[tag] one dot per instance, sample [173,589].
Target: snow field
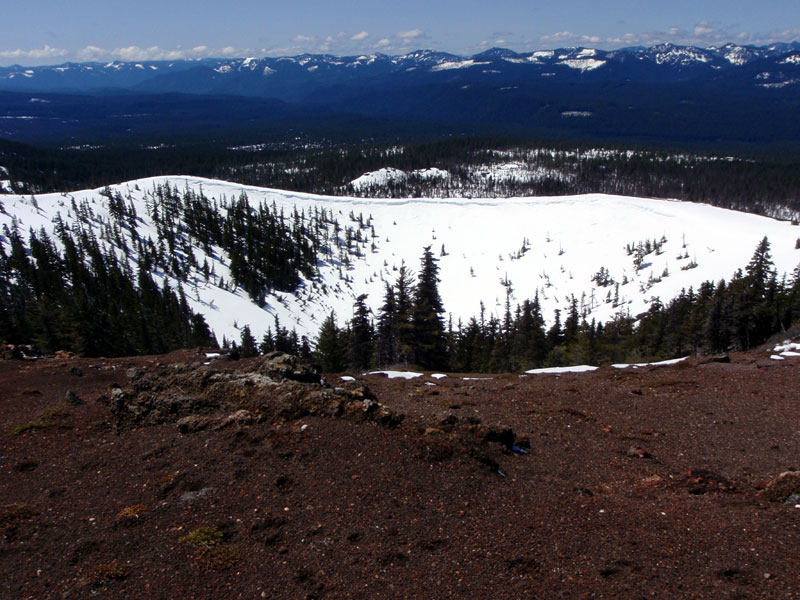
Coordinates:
[567,240]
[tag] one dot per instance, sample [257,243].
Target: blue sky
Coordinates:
[50,32]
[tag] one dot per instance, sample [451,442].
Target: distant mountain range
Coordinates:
[297,78]
[732,93]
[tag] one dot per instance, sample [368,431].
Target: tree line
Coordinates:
[409,329]
[766,184]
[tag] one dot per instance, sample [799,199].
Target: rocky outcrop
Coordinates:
[199,397]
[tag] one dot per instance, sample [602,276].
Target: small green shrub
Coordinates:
[31,426]
[203,537]
[210,553]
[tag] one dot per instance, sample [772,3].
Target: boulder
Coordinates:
[783,487]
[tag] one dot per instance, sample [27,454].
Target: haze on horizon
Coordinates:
[50,32]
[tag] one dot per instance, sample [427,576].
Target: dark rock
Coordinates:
[448,423]
[501,435]
[76,371]
[73,399]
[26,466]
[230,354]
[638,452]
[134,373]
[285,366]
[194,496]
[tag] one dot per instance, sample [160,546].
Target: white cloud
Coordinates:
[384,43]
[570,38]
[138,54]
[784,35]
[410,35]
[362,35]
[229,51]
[702,34]
[135,53]
[302,39]
[703,29]
[34,54]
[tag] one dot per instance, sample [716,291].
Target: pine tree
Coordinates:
[247,343]
[386,343]
[267,344]
[403,327]
[361,334]
[428,327]
[201,333]
[331,346]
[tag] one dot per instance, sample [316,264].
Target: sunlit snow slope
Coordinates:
[566,240]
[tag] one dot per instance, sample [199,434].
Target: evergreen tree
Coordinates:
[267,344]
[247,343]
[361,334]
[331,346]
[201,333]
[403,327]
[386,343]
[428,327]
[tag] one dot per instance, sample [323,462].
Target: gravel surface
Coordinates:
[633,483]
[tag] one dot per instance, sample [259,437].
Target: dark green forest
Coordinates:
[97,296]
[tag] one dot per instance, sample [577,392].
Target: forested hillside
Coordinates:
[766,184]
[159,264]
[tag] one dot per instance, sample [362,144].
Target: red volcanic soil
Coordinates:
[643,483]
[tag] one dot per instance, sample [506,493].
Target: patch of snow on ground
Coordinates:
[776,357]
[431,173]
[559,370]
[584,64]
[662,363]
[786,345]
[348,378]
[438,375]
[460,64]
[397,374]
